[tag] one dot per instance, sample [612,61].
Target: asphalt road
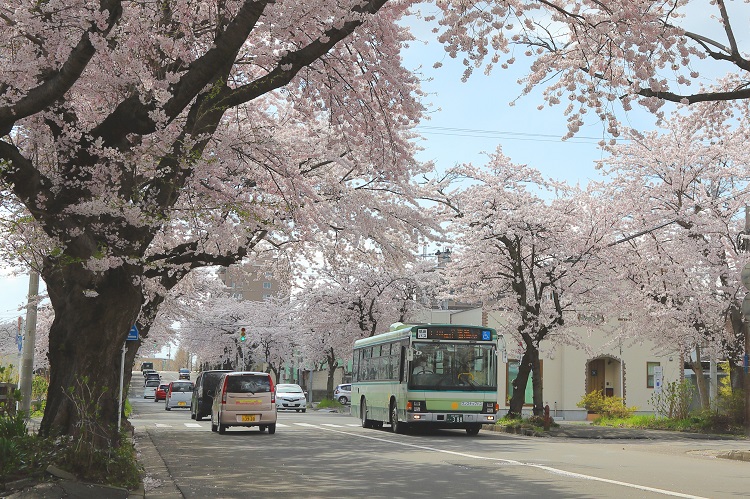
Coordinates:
[323,454]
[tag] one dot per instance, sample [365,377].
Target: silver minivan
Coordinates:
[244,399]
[179,394]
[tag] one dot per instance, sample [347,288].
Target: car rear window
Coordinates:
[182,387]
[248,383]
[154,382]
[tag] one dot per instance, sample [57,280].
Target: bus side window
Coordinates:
[401,366]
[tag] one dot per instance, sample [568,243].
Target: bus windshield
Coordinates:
[453,366]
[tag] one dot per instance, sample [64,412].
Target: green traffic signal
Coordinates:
[242,334]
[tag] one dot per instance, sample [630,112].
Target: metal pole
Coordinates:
[27,359]
[122,376]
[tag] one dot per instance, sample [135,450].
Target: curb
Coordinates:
[156,474]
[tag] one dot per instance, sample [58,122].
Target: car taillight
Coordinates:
[273,391]
[224,392]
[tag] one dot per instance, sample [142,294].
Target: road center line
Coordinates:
[549,469]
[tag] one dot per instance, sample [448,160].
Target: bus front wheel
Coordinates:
[366,423]
[396,425]
[473,430]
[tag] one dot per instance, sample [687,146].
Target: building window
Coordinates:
[266,297]
[650,373]
[266,285]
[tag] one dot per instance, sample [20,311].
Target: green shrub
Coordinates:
[607,407]
[13,425]
[674,400]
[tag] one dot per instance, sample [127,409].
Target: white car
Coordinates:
[289,396]
[179,394]
[149,391]
[343,393]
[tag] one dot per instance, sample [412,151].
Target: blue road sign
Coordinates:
[19,342]
[133,334]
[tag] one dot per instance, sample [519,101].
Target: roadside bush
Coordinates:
[674,400]
[329,404]
[607,407]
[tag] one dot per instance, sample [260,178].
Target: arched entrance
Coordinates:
[606,374]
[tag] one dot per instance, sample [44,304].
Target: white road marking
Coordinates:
[160,425]
[307,425]
[331,425]
[282,425]
[354,424]
[518,463]
[193,425]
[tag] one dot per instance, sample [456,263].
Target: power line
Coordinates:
[539,137]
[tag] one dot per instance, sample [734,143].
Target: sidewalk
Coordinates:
[586,430]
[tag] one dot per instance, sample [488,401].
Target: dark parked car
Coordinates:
[203,393]
[151,376]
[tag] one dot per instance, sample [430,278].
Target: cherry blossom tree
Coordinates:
[347,299]
[690,181]
[592,56]
[528,250]
[142,140]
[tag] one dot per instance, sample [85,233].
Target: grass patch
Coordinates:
[535,423]
[708,423]
[329,404]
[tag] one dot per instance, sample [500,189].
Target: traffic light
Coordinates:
[242,334]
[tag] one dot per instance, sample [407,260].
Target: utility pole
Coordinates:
[27,358]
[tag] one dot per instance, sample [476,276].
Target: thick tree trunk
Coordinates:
[332,365]
[93,314]
[700,380]
[518,398]
[536,383]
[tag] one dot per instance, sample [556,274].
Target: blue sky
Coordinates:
[472,118]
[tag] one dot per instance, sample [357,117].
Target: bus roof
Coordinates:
[406,330]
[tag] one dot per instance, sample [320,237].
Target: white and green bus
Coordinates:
[438,375]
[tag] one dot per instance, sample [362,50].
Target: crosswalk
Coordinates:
[278,425]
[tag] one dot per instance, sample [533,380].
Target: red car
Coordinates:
[161,392]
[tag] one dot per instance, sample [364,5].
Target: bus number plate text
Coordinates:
[455,418]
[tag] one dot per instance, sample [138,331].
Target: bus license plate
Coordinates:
[455,418]
[248,418]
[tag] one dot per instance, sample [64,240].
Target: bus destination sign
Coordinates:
[454,333]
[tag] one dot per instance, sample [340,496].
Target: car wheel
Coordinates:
[261,428]
[296,410]
[272,428]
[304,410]
[222,428]
[343,400]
